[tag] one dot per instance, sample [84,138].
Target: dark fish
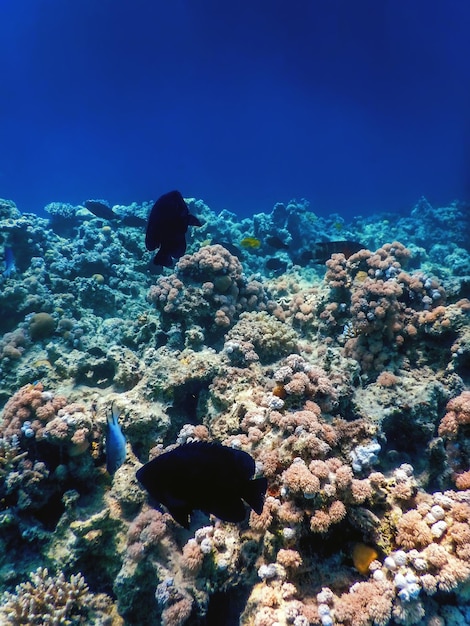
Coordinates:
[276,242]
[133,220]
[204,476]
[276,265]
[115,442]
[166,228]
[230,247]
[100,209]
[323,250]
[10,267]
[304,258]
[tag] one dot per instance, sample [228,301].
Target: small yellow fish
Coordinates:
[250,243]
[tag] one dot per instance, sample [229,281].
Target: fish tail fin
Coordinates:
[113,415]
[163,258]
[254,492]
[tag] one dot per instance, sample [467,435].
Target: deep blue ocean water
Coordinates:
[358,106]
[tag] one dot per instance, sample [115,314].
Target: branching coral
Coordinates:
[366,603]
[434,554]
[51,600]
[309,459]
[458,414]
[10,456]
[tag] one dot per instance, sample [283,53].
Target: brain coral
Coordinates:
[41,325]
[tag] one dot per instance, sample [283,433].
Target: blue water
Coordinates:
[357,105]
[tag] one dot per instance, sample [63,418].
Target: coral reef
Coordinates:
[55,600]
[206,294]
[348,383]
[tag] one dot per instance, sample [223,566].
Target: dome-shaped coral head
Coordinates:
[167,226]
[206,476]
[41,326]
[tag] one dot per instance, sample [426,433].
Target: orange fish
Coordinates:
[363,556]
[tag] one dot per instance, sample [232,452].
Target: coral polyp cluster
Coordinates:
[347,383]
[208,291]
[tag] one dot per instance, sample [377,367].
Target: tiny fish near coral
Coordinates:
[206,476]
[115,442]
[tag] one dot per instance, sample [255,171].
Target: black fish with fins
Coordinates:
[322,250]
[100,209]
[205,476]
[167,226]
[103,211]
[133,220]
[276,242]
[276,265]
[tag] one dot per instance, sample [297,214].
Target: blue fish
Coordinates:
[115,442]
[10,267]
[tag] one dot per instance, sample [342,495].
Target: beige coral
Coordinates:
[299,479]
[412,531]
[48,599]
[366,604]
[458,414]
